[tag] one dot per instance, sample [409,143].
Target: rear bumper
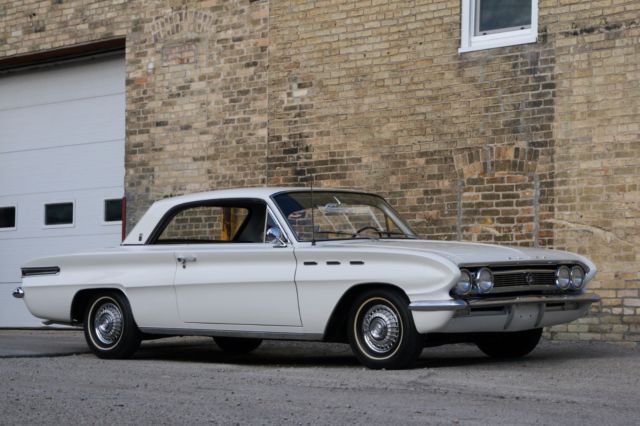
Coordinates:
[460,305]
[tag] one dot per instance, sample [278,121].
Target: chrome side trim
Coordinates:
[18,293]
[40,270]
[231,333]
[438,305]
[457,304]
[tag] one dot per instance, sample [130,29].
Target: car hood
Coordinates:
[462,253]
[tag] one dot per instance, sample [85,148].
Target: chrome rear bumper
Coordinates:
[458,304]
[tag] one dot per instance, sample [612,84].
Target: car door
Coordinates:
[226,273]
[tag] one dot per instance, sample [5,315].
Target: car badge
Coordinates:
[529,278]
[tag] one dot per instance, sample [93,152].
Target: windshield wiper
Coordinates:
[362,236]
[351,234]
[390,233]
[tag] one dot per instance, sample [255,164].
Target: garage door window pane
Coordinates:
[58,214]
[7,217]
[113,210]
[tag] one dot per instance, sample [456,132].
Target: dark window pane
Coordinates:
[113,210]
[499,14]
[58,214]
[7,217]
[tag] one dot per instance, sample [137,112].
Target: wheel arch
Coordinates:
[82,297]
[335,330]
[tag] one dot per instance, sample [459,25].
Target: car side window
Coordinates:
[225,223]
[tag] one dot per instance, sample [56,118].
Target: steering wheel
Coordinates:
[364,228]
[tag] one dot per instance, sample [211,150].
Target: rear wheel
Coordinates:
[381,331]
[237,345]
[109,328]
[510,345]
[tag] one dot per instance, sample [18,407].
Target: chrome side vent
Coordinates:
[40,270]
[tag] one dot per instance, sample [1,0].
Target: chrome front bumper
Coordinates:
[459,305]
[18,293]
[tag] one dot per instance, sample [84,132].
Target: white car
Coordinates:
[244,265]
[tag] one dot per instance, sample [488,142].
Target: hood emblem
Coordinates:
[529,278]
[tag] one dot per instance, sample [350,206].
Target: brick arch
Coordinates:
[508,159]
[498,193]
[182,21]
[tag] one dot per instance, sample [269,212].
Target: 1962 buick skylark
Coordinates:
[244,265]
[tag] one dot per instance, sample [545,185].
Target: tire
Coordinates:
[109,327]
[237,345]
[381,331]
[510,345]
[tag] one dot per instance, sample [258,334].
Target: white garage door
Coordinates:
[61,167]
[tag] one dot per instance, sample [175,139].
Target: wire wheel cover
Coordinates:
[380,329]
[108,323]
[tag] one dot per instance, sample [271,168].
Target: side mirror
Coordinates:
[274,236]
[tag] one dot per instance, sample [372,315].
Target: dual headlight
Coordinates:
[479,282]
[570,278]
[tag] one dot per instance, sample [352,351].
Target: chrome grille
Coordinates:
[524,278]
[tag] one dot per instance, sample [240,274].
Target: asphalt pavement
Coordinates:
[48,377]
[41,343]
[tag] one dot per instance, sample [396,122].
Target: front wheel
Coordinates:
[109,328]
[381,331]
[510,344]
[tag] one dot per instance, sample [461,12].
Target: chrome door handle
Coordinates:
[185,259]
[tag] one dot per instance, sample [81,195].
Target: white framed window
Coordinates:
[112,212]
[486,24]
[8,218]
[59,215]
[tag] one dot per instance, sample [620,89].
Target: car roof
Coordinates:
[262,192]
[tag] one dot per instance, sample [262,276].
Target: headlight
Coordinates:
[577,278]
[465,284]
[563,277]
[484,280]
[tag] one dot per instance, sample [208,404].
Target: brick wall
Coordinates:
[197,92]
[532,145]
[597,158]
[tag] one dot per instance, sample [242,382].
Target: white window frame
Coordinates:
[15,219]
[62,225]
[470,42]
[109,222]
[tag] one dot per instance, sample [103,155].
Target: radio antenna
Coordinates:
[313,222]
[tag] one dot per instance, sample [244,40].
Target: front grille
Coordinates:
[524,278]
[519,280]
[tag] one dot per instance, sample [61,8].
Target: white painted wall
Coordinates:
[62,132]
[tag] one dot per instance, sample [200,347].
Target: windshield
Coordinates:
[340,215]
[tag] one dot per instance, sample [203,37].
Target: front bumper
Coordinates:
[460,305]
[499,314]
